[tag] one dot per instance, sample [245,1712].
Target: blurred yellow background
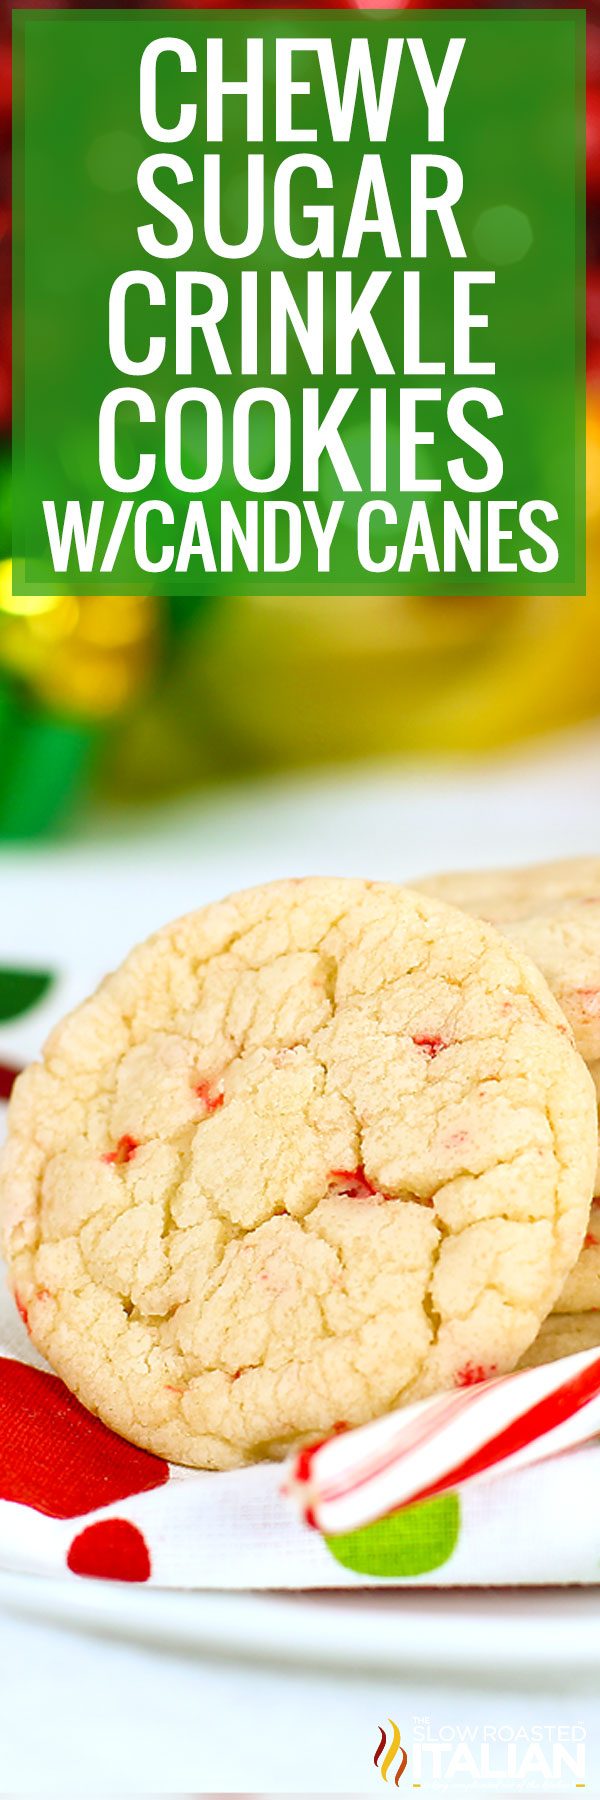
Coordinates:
[269,684]
[129,699]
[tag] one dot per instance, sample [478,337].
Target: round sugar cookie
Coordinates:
[552,911]
[313,1151]
[563,1334]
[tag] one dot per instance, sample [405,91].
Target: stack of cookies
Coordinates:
[552,911]
[313,1152]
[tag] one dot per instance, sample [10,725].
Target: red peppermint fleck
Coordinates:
[472,1373]
[431,1045]
[455,1140]
[58,1458]
[590,999]
[353,1184]
[590,1241]
[211,1098]
[126,1148]
[112,1550]
[41,1293]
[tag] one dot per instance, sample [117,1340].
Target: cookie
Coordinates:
[312,1152]
[552,911]
[581,1292]
[562,1335]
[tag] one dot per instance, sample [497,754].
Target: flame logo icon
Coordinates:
[394,1748]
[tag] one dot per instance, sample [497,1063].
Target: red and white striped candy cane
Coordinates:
[471,1434]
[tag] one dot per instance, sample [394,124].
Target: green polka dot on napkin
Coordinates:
[410,1542]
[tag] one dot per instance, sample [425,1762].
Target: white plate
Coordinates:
[469,1636]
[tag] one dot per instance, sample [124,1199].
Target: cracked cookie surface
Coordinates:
[552,911]
[312,1151]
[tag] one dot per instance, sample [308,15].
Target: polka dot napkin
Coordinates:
[76,1500]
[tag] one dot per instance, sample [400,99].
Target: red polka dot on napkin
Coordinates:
[58,1458]
[113,1550]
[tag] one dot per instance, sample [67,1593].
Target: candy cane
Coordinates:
[471,1434]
